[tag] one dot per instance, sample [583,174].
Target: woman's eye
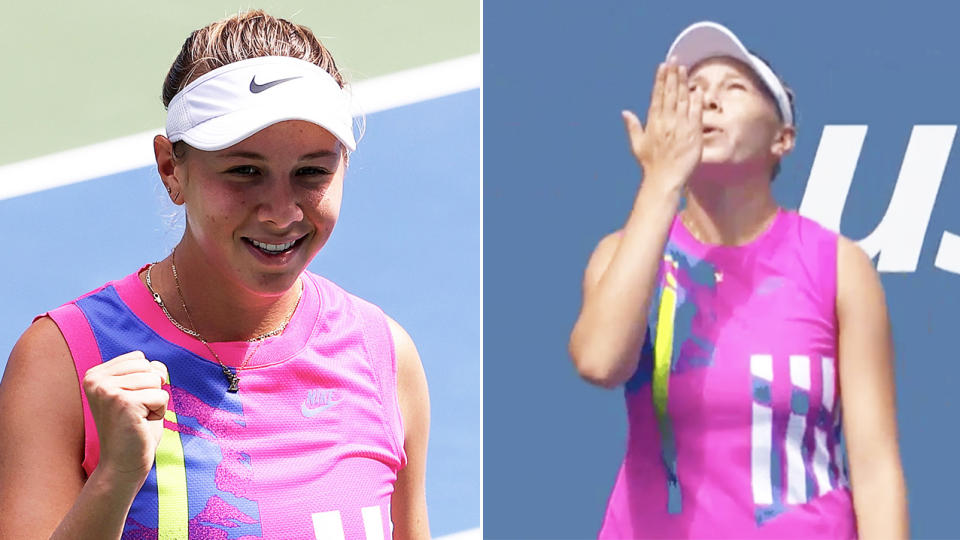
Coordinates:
[244,170]
[737,86]
[312,171]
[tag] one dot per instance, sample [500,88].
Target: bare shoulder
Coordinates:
[859,290]
[411,379]
[851,255]
[403,344]
[853,264]
[607,245]
[41,430]
[40,359]
[601,257]
[412,391]
[40,383]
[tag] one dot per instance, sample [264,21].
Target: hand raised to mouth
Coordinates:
[668,147]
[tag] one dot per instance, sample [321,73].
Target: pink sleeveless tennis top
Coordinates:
[309,447]
[734,416]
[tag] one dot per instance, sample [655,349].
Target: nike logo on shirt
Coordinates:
[319,400]
[310,413]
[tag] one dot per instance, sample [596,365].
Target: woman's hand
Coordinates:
[669,147]
[43,489]
[128,404]
[620,278]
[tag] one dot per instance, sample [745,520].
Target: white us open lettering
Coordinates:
[898,238]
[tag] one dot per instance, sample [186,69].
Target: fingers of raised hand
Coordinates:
[138,381]
[695,112]
[131,362]
[160,369]
[634,129]
[656,97]
[118,402]
[670,91]
[683,92]
[130,371]
[153,400]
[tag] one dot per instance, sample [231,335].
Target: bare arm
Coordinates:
[620,277]
[43,489]
[409,501]
[41,434]
[617,286]
[868,398]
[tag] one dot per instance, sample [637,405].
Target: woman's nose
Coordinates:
[279,205]
[711,100]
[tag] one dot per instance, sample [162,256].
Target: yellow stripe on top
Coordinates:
[663,344]
[171,484]
[662,360]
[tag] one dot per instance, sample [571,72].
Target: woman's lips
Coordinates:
[270,257]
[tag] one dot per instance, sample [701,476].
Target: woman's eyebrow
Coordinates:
[726,77]
[253,155]
[319,154]
[244,154]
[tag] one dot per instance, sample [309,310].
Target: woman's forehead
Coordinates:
[720,67]
[290,136]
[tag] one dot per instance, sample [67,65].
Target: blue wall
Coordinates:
[559,176]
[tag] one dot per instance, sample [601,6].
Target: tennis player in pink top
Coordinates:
[754,345]
[225,391]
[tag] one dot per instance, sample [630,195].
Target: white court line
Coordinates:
[418,84]
[135,151]
[470,534]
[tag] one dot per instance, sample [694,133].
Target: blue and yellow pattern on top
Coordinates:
[172,510]
[670,328]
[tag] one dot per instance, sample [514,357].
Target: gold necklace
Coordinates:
[191,332]
[194,333]
[159,301]
[233,379]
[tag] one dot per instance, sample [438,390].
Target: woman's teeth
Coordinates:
[273,248]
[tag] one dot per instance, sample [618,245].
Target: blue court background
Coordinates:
[559,177]
[408,239]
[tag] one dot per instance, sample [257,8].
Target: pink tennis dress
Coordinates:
[734,416]
[309,447]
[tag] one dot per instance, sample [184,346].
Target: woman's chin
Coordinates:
[271,283]
[719,171]
[714,155]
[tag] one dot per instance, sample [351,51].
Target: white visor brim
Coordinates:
[706,39]
[233,102]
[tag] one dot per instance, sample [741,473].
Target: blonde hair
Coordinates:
[249,34]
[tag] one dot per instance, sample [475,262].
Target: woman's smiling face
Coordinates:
[261,209]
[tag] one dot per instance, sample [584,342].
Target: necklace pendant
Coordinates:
[156,298]
[232,379]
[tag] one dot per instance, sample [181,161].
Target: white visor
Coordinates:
[231,103]
[703,40]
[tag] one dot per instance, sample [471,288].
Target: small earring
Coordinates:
[168,189]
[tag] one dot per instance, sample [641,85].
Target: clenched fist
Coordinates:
[128,404]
